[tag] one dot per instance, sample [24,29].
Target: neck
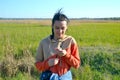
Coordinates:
[55,38]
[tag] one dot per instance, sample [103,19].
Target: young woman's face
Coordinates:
[60,28]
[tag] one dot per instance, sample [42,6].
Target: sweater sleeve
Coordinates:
[42,66]
[72,56]
[40,63]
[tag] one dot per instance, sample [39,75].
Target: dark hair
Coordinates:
[59,16]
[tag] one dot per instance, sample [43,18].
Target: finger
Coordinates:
[59,49]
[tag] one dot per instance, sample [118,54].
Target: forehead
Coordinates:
[60,23]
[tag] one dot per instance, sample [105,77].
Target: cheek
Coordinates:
[56,31]
[64,30]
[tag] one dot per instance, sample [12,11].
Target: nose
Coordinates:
[60,30]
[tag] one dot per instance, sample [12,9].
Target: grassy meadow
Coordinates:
[98,41]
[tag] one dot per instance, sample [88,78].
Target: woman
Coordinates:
[58,52]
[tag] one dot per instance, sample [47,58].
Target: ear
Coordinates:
[66,29]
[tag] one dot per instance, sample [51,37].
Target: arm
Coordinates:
[72,56]
[44,64]
[41,64]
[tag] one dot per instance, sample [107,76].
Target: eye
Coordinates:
[56,27]
[63,28]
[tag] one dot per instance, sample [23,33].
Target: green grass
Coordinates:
[95,34]
[99,46]
[22,35]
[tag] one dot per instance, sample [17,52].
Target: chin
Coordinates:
[59,37]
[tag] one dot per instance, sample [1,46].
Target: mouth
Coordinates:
[60,34]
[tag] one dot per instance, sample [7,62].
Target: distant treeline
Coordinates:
[25,18]
[110,18]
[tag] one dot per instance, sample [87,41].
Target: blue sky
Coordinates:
[47,8]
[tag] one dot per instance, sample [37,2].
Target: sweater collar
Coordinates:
[58,40]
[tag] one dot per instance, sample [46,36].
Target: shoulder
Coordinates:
[45,40]
[72,39]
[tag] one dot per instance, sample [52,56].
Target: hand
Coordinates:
[60,52]
[53,61]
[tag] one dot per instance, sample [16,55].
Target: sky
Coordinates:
[47,8]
